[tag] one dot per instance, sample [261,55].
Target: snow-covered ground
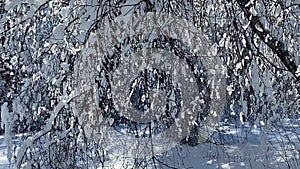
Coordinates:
[4,163]
[245,147]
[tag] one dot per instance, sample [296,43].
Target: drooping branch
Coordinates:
[266,36]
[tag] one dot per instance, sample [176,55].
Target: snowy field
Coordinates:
[245,147]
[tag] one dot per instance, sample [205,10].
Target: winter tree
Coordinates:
[41,42]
